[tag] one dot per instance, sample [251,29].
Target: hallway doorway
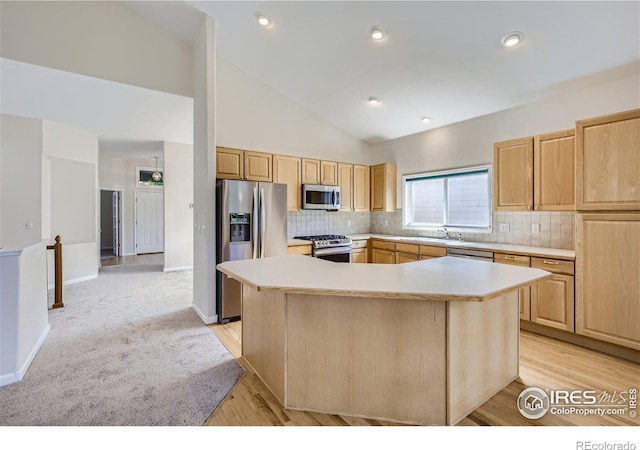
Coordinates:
[110,223]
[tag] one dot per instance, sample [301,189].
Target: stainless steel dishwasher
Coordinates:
[485,255]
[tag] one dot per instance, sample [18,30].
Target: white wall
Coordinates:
[251,115]
[24,322]
[100,39]
[21,180]
[471,142]
[71,200]
[178,206]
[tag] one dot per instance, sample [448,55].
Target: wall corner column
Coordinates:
[204,171]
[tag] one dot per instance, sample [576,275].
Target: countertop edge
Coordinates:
[558,253]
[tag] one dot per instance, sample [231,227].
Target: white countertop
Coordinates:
[505,248]
[445,279]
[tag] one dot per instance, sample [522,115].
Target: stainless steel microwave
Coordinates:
[315,196]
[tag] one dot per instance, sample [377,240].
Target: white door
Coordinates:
[115,205]
[149,222]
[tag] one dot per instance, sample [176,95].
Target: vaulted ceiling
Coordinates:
[438,59]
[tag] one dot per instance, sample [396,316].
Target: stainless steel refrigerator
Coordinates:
[251,220]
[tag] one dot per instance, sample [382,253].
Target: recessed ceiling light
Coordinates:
[512,39]
[263,20]
[377,33]
[426,119]
[373,100]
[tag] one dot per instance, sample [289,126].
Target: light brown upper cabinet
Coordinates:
[258,166]
[513,175]
[329,173]
[608,162]
[286,169]
[554,172]
[383,187]
[345,181]
[310,171]
[235,164]
[229,163]
[361,188]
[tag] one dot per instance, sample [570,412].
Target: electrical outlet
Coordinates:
[386,222]
[504,227]
[348,223]
[535,228]
[28,225]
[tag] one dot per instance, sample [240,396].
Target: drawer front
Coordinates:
[361,243]
[553,265]
[430,250]
[299,250]
[408,248]
[384,245]
[515,260]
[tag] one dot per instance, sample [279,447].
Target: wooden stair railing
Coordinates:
[57,257]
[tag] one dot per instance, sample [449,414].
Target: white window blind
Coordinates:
[458,199]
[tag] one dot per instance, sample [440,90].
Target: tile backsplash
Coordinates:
[310,222]
[556,228]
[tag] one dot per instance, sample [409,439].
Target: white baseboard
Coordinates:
[175,269]
[208,320]
[75,280]
[17,376]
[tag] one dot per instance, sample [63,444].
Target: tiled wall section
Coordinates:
[308,223]
[556,228]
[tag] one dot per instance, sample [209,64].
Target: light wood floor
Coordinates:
[544,362]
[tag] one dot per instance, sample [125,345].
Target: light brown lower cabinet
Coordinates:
[552,302]
[299,249]
[524,294]
[402,257]
[360,255]
[381,256]
[608,277]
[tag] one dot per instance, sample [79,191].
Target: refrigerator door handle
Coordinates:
[254,222]
[263,223]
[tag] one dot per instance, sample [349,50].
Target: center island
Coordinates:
[424,342]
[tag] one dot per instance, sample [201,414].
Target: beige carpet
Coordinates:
[127,349]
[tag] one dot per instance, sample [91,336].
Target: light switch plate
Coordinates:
[504,227]
[535,228]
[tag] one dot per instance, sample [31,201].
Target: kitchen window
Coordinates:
[457,199]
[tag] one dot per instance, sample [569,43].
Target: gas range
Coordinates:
[327,240]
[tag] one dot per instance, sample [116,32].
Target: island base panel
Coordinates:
[367,357]
[263,337]
[403,360]
[483,347]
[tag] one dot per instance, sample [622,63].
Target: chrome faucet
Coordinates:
[445,231]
